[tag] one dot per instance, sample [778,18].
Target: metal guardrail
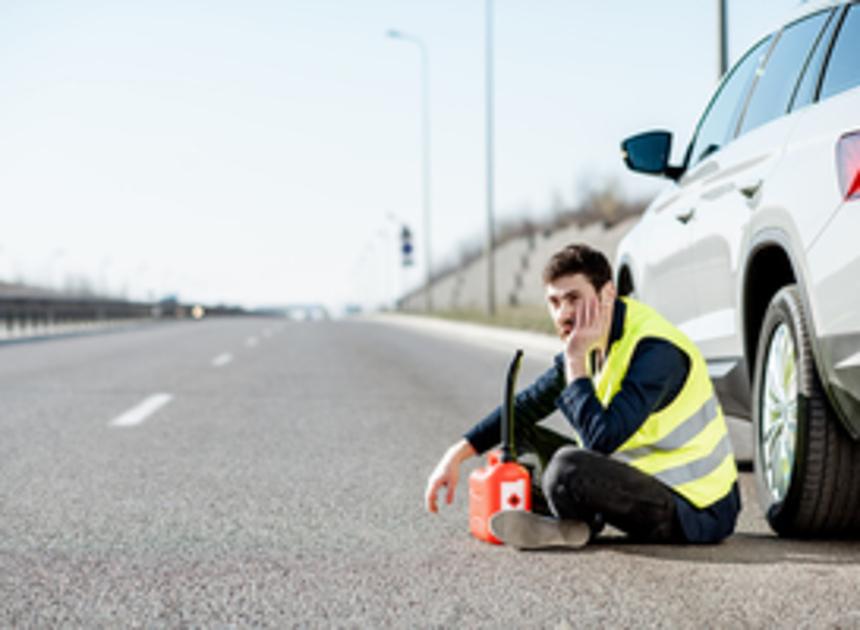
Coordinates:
[35,317]
[30,312]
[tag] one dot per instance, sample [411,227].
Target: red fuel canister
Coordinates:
[502,484]
[497,486]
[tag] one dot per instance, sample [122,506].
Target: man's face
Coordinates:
[564,294]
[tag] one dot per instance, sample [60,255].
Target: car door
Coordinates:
[668,278]
[662,250]
[736,187]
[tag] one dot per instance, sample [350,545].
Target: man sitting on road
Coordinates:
[653,456]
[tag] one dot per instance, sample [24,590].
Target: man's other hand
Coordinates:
[446,474]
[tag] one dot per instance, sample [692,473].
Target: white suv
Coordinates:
[754,250]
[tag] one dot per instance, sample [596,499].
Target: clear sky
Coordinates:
[250,151]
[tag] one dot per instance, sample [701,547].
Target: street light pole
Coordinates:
[722,38]
[490,246]
[425,131]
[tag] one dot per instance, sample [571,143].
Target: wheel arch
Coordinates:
[625,283]
[624,270]
[768,268]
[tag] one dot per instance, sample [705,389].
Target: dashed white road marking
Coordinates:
[142,410]
[222,359]
[252,342]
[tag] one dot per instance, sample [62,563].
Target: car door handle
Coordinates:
[751,190]
[685,217]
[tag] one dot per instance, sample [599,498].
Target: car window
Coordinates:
[717,125]
[806,89]
[776,82]
[843,67]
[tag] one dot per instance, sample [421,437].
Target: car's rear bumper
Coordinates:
[839,358]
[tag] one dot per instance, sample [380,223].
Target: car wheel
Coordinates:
[806,465]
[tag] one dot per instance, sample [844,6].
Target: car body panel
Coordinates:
[727,203]
[663,256]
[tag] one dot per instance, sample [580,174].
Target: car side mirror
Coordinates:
[649,153]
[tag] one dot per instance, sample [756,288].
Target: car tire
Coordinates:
[807,467]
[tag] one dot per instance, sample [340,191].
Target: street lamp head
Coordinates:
[407,37]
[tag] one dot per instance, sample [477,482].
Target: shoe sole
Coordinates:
[526,530]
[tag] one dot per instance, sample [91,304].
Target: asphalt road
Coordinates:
[251,472]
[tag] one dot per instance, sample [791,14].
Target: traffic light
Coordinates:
[406,246]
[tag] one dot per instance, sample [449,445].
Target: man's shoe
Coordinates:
[526,530]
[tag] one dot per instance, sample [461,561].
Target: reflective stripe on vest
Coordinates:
[686,444]
[699,468]
[682,434]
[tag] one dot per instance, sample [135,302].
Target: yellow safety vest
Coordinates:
[686,444]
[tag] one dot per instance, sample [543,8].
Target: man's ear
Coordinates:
[608,293]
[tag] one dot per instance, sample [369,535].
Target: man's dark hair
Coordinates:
[579,258]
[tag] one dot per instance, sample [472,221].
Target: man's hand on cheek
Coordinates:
[585,335]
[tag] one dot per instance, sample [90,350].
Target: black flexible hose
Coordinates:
[509,453]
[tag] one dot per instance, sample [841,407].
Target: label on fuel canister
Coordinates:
[513,495]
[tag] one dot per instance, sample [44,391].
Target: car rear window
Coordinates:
[772,92]
[843,68]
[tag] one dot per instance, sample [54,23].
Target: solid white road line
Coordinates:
[142,410]
[222,359]
[252,342]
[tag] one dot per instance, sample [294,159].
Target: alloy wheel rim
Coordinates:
[778,413]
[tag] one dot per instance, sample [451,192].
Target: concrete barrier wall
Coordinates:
[519,263]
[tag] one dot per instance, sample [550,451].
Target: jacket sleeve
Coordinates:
[654,378]
[530,406]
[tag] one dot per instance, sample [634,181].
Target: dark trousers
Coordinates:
[575,483]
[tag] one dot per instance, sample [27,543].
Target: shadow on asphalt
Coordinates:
[742,548]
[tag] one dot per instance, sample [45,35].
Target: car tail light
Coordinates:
[848,162]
